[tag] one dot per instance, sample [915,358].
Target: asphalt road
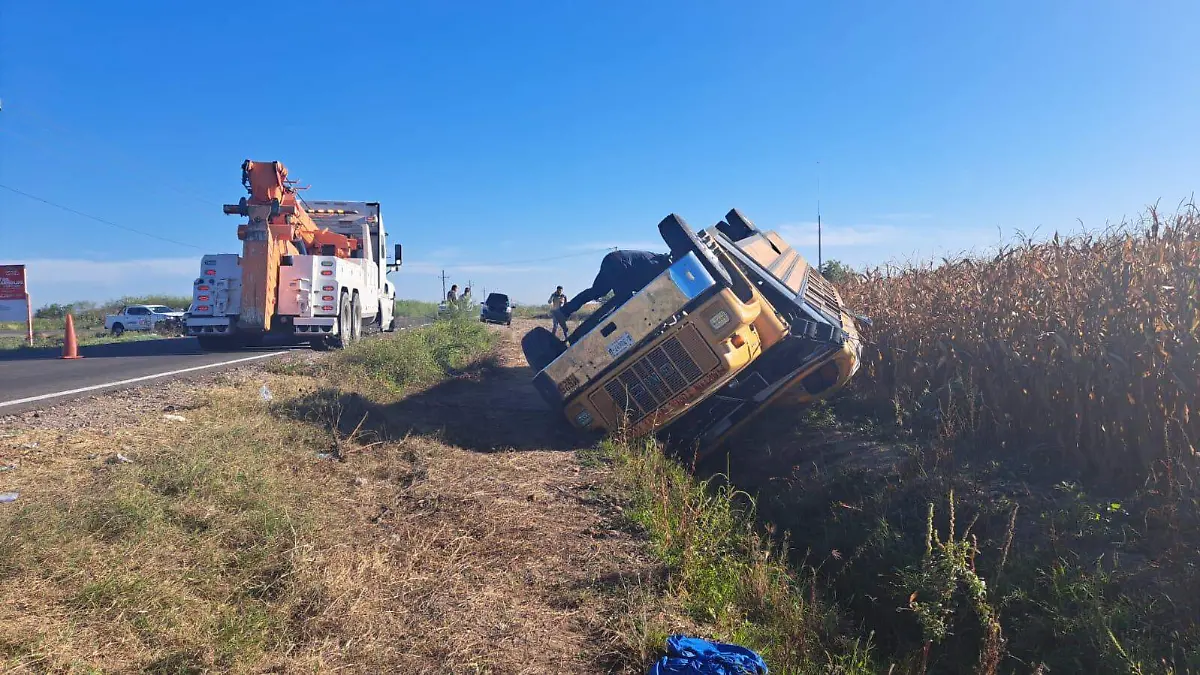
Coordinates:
[30,378]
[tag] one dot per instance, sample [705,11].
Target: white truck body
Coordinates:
[139,317]
[311,289]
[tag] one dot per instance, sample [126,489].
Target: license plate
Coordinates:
[620,345]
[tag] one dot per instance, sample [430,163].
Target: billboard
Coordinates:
[12,282]
[14,297]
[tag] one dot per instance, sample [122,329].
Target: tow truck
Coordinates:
[309,271]
[738,322]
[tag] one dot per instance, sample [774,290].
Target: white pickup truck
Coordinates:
[141,317]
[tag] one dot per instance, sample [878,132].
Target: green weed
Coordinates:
[729,577]
[421,356]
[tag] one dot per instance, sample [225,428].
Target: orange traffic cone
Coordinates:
[70,348]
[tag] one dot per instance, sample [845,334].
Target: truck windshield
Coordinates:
[160,309]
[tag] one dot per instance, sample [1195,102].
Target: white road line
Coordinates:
[143,378]
[131,380]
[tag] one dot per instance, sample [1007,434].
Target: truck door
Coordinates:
[139,318]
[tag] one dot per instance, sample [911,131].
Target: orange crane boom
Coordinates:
[277,226]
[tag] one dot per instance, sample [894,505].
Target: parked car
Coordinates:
[497,308]
[142,317]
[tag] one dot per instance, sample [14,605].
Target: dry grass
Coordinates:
[231,545]
[187,557]
[1088,344]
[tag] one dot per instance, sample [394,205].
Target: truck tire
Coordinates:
[680,238]
[541,347]
[118,329]
[355,319]
[345,314]
[736,226]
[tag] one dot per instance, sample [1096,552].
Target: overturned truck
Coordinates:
[739,321]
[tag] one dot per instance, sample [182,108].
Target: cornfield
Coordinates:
[1085,346]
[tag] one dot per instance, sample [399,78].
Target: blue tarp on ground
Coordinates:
[695,656]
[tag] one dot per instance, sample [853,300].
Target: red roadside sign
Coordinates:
[14,297]
[12,282]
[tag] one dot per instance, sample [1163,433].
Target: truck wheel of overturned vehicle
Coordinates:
[355,319]
[117,329]
[680,238]
[541,347]
[736,226]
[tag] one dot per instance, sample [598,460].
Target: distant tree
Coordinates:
[836,271]
[52,311]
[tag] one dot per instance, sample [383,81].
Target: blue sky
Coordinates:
[499,133]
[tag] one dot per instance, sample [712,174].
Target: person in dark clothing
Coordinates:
[621,272]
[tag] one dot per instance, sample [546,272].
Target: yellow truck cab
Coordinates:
[738,321]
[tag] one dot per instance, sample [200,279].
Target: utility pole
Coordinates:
[819,262]
[443,286]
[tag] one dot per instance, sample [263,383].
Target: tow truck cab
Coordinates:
[737,322]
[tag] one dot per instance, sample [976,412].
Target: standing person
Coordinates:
[556,301]
[452,294]
[466,297]
[621,272]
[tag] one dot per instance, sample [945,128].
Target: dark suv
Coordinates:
[496,309]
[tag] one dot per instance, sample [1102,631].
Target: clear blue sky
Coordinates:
[495,133]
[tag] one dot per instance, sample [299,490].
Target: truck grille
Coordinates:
[821,294]
[664,372]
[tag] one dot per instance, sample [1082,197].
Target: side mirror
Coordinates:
[399,254]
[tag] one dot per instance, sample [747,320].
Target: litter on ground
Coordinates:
[697,656]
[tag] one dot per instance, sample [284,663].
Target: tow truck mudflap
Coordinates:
[317,325]
[209,325]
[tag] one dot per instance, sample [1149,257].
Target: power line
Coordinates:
[96,218]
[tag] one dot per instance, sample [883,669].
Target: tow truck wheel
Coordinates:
[345,314]
[355,319]
[117,330]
